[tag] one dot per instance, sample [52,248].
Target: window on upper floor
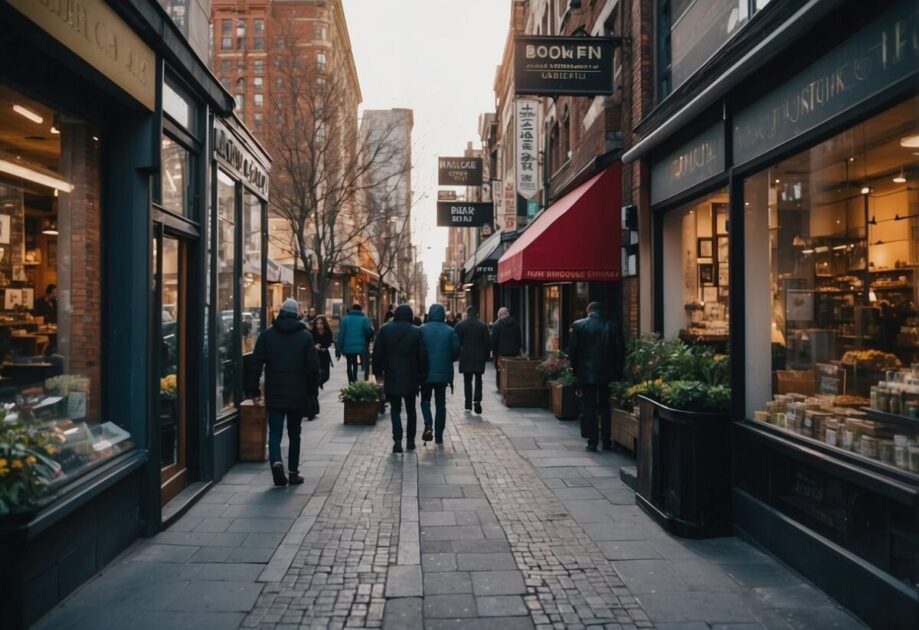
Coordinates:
[689,32]
[226,66]
[321,32]
[321,61]
[226,34]
[258,66]
[258,100]
[258,34]
[257,82]
[240,84]
[240,101]
[241,34]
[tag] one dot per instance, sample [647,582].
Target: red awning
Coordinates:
[577,239]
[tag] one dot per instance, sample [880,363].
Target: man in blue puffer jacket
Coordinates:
[443,349]
[354,336]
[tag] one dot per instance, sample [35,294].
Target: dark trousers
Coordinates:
[439,392]
[352,366]
[275,432]
[470,394]
[365,363]
[594,398]
[395,414]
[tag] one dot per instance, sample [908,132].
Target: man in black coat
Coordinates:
[288,354]
[400,360]
[474,347]
[506,339]
[592,351]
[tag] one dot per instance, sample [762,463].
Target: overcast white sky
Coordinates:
[438,58]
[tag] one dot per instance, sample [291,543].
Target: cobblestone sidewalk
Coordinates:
[510,524]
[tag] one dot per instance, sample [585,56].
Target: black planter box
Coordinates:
[684,470]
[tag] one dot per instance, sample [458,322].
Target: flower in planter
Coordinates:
[553,365]
[169,387]
[565,377]
[23,476]
[361,391]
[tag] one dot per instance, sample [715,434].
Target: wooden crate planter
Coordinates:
[520,373]
[563,401]
[525,397]
[253,432]
[364,413]
[625,427]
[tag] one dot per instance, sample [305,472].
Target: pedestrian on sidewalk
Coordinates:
[443,349]
[354,337]
[390,315]
[593,350]
[287,353]
[322,335]
[400,361]
[506,339]
[472,334]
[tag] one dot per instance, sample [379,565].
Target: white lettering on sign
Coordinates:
[563,52]
[462,214]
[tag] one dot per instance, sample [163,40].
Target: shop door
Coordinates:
[170,255]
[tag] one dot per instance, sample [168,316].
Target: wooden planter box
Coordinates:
[253,432]
[625,427]
[520,373]
[563,402]
[525,397]
[684,469]
[361,412]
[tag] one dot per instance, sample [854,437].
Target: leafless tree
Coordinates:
[321,165]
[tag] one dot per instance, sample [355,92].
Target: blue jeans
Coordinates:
[395,414]
[439,390]
[276,428]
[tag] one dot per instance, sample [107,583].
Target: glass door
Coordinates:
[170,265]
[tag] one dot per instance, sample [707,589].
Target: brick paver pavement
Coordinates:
[510,524]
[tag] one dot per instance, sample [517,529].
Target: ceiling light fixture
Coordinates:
[910,142]
[865,190]
[901,178]
[50,228]
[28,113]
[55,130]
[17,170]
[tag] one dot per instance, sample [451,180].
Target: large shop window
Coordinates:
[552,316]
[226,294]
[281,262]
[50,301]
[831,293]
[695,251]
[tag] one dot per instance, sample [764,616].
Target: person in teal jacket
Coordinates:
[354,335]
[443,349]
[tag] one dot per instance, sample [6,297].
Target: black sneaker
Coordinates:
[468,406]
[478,407]
[410,445]
[397,447]
[592,448]
[427,435]
[294,479]
[439,441]
[277,472]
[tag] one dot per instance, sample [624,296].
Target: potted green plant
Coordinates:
[563,400]
[361,402]
[683,449]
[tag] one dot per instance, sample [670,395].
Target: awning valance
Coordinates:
[485,258]
[576,239]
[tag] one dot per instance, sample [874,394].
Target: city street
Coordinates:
[510,525]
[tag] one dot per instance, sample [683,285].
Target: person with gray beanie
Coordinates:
[288,355]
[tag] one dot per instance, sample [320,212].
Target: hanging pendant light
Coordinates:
[901,178]
[49,227]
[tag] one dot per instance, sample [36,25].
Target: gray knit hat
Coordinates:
[290,305]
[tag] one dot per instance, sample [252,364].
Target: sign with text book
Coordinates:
[550,66]
[464,214]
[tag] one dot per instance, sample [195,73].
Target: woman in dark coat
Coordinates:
[401,362]
[322,335]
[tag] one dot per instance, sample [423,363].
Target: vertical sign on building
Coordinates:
[527,148]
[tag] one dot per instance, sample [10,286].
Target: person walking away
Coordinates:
[354,336]
[592,352]
[506,339]
[287,353]
[400,361]
[442,349]
[322,335]
[389,315]
[475,344]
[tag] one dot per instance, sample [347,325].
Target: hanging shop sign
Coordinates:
[510,204]
[233,155]
[95,33]
[446,195]
[527,148]
[459,171]
[464,214]
[551,66]
[487,267]
[883,53]
[692,163]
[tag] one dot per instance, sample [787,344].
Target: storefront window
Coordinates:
[252,271]
[51,291]
[552,316]
[281,262]
[831,294]
[175,178]
[696,279]
[226,294]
